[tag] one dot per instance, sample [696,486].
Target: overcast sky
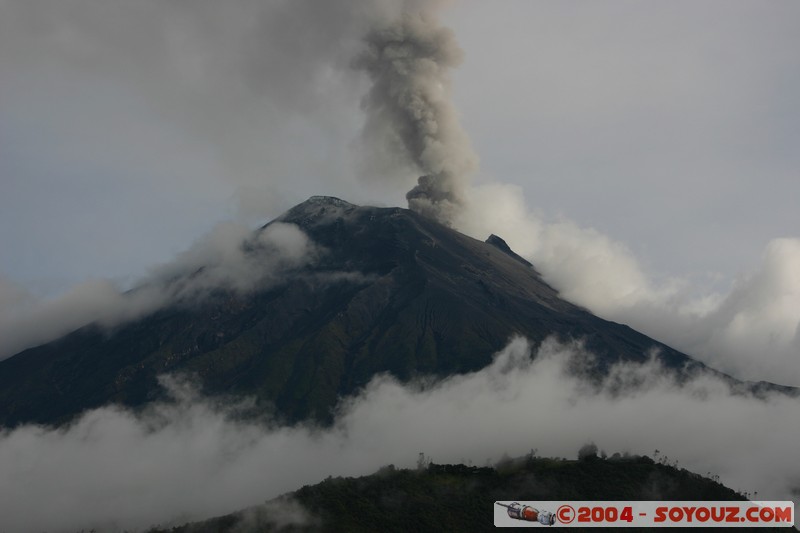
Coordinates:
[129,130]
[673,128]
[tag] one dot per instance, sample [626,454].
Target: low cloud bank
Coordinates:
[195,457]
[751,332]
[230,257]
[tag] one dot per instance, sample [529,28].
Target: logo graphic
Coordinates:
[639,513]
[528,513]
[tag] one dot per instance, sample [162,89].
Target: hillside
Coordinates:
[461,498]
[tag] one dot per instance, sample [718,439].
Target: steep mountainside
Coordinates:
[392,292]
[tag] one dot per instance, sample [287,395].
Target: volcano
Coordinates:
[390,292]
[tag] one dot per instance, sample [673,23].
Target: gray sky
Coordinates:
[672,128]
[655,147]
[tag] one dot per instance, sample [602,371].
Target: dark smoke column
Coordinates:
[409,107]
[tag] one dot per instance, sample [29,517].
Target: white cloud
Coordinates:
[751,331]
[229,257]
[196,457]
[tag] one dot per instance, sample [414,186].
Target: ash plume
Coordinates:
[409,107]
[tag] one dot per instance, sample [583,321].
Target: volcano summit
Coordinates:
[387,290]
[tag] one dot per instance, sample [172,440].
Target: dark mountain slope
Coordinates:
[393,292]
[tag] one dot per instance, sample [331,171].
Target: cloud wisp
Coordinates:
[752,331]
[230,257]
[196,457]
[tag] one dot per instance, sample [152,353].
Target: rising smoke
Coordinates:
[409,107]
[753,331]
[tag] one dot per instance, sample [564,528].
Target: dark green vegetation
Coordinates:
[460,498]
[393,292]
